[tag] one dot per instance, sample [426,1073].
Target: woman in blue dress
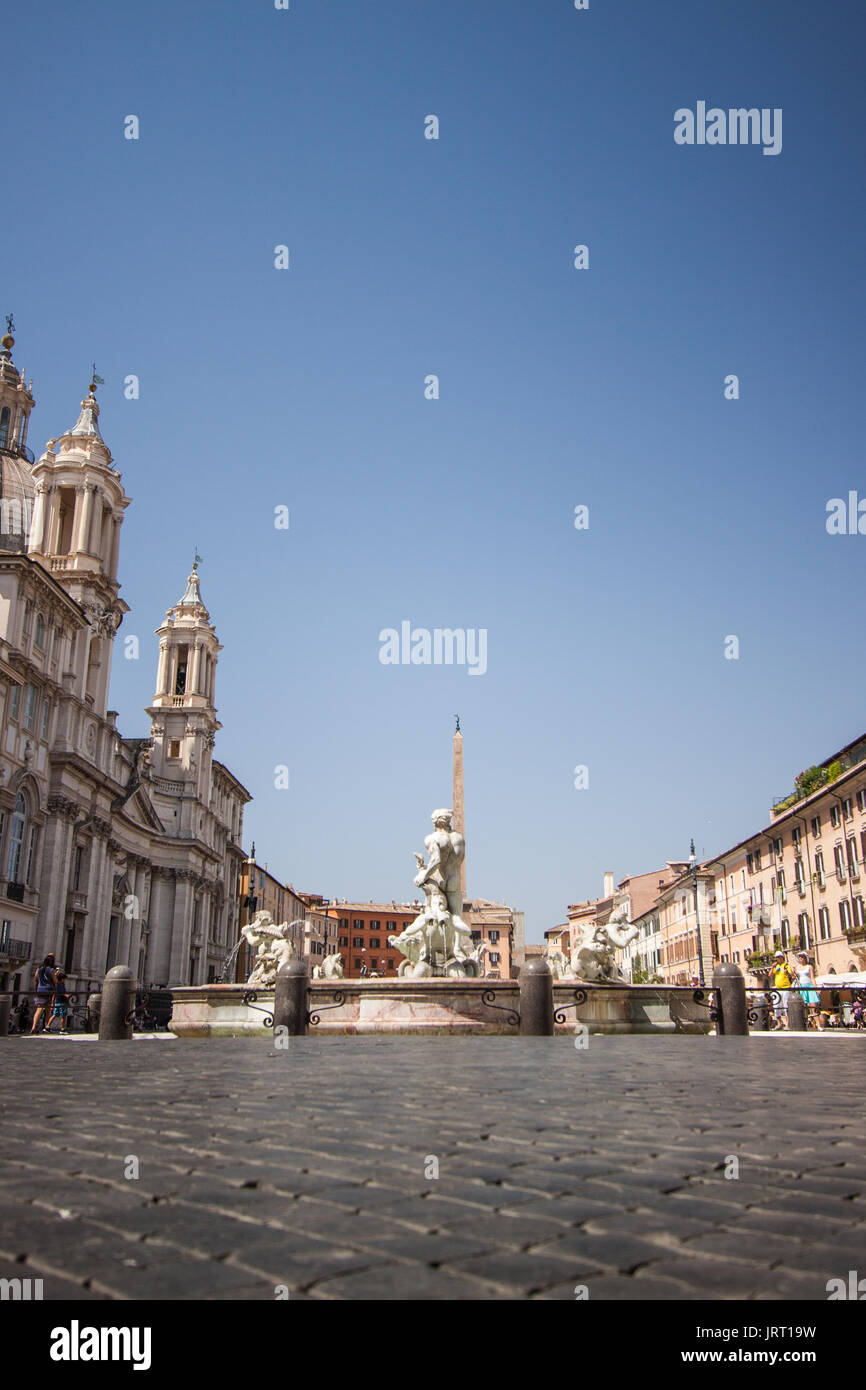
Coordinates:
[806,981]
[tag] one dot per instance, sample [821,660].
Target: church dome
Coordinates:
[17,495]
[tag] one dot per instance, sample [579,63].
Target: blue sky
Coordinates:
[557,387]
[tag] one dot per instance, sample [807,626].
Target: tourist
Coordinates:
[781,985]
[806,982]
[43,980]
[61,1004]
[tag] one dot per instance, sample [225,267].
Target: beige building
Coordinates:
[112,850]
[798,883]
[314,934]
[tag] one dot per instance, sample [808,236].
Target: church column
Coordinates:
[137,888]
[162,670]
[84,506]
[181,932]
[114,548]
[37,525]
[192,684]
[160,917]
[99,889]
[52,528]
[56,860]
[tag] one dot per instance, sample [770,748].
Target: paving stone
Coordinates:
[311,1174]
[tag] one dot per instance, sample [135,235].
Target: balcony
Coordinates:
[14,952]
[76,902]
[856,934]
[19,450]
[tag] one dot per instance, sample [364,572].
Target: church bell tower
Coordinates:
[183,713]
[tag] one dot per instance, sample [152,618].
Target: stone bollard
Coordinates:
[118,1005]
[730,987]
[536,1000]
[290,998]
[94,1005]
[796,1012]
[761,1009]
[5,1010]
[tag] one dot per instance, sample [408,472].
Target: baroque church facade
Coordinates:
[113,850]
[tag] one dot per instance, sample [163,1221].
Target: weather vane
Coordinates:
[96,380]
[197,561]
[457,717]
[10,326]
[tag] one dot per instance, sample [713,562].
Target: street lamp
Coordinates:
[693,865]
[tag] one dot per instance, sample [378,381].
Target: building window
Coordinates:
[174,748]
[5,417]
[861,799]
[375,926]
[39,635]
[374,941]
[847,809]
[46,711]
[16,839]
[13,701]
[859,918]
[819,868]
[390,926]
[795,837]
[757,858]
[845,914]
[357,942]
[357,923]
[824,923]
[834,817]
[30,707]
[28,619]
[853,866]
[839,861]
[816,826]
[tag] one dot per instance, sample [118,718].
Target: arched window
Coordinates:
[17,827]
[4,426]
[39,634]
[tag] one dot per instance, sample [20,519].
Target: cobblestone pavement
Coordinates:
[310,1168]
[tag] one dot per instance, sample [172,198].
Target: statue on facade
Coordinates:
[593,956]
[331,968]
[272,945]
[438,942]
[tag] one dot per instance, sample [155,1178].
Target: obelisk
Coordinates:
[458,817]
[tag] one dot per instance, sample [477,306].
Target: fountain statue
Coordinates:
[438,942]
[593,956]
[331,968]
[272,945]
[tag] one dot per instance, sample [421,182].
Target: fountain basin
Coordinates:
[434,1007]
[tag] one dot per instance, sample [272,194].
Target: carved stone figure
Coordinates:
[439,942]
[331,968]
[558,961]
[273,949]
[593,956]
